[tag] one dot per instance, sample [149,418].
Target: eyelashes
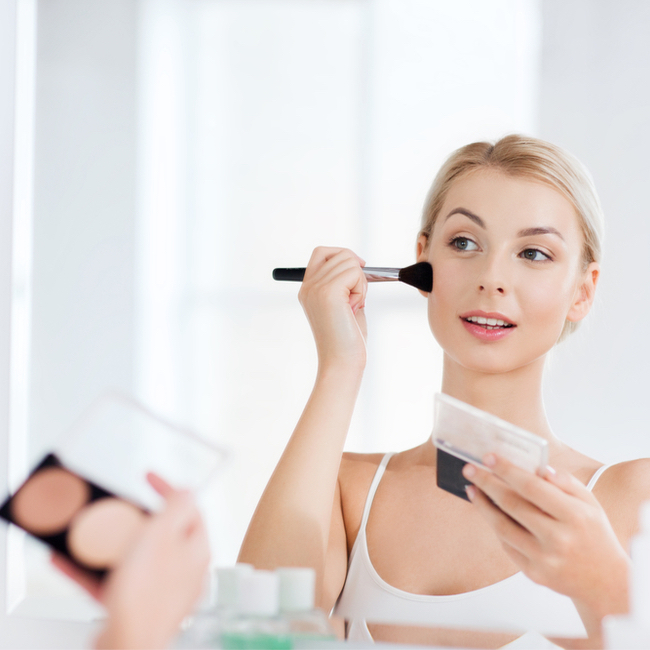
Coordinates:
[535,255]
[466,244]
[463,244]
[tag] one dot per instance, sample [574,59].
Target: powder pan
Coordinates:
[14,510]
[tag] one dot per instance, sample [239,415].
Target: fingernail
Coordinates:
[471,491]
[469,471]
[550,471]
[490,460]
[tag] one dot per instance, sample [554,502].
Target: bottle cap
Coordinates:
[229,583]
[297,586]
[260,594]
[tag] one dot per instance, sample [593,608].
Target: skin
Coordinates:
[160,580]
[521,259]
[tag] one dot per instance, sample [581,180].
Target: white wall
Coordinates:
[74,185]
[84,209]
[7,123]
[15,631]
[595,101]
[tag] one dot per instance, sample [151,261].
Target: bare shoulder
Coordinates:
[628,481]
[355,476]
[621,490]
[356,473]
[353,464]
[630,473]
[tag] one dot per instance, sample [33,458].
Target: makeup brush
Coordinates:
[418,275]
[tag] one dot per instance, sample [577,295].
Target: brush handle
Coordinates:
[289,275]
[372,273]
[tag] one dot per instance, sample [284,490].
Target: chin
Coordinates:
[493,359]
[486,366]
[489,367]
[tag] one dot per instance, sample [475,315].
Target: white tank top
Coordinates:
[515,604]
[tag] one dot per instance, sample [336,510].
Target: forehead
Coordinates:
[515,202]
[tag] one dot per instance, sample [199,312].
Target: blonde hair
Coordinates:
[531,158]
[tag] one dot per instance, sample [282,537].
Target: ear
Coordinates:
[421,248]
[422,254]
[585,294]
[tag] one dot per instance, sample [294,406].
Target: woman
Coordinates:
[513,232]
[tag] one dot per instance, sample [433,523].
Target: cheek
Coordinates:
[547,300]
[447,284]
[443,301]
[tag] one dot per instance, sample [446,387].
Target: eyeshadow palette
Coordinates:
[89,525]
[89,496]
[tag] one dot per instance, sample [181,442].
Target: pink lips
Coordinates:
[482,332]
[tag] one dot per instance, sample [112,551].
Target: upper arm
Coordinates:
[355,476]
[336,560]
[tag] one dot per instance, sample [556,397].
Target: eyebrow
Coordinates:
[526,232]
[470,215]
[529,232]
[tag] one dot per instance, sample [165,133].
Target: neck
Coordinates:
[514,396]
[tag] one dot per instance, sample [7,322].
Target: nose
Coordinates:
[492,278]
[488,289]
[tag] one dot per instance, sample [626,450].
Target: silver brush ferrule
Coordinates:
[380,274]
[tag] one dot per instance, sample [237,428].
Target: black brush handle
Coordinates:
[289,275]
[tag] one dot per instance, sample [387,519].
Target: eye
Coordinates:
[534,255]
[463,244]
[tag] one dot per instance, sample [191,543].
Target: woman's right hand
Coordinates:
[333,295]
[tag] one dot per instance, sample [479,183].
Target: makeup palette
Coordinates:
[76,517]
[465,434]
[89,497]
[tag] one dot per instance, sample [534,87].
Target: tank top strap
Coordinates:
[373,488]
[596,475]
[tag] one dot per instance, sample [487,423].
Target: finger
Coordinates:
[541,491]
[90,584]
[180,516]
[342,272]
[331,252]
[569,484]
[507,529]
[321,260]
[343,261]
[160,485]
[200,544]
[508,500]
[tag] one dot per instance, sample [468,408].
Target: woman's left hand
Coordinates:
[555,530]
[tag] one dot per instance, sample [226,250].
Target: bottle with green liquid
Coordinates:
[257,622]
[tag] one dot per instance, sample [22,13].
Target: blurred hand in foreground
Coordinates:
[158,582]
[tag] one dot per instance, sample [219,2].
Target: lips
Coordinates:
[487,326]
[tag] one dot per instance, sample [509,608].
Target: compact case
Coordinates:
[465,434]
[89,497]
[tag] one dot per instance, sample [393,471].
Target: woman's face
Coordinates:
[507,271]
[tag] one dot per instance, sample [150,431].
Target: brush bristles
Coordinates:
[418,275]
